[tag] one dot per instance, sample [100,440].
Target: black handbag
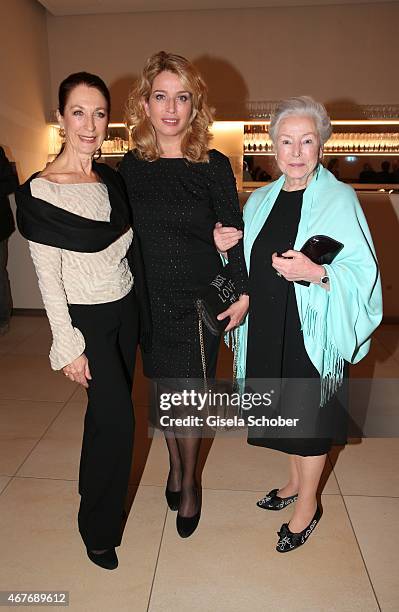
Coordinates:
[219,295]
[321,250]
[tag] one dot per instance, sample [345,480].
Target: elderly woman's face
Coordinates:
[85,120]
[297,147]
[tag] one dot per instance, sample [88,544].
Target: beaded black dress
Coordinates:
[276,353]
[175,207]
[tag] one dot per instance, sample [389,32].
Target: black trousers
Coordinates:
[111,334]
[5,291]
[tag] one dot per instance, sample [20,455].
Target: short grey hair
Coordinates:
[302,105]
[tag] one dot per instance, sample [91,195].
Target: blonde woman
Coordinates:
[178,189]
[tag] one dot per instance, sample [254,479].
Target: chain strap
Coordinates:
[202,348]
[235,358]
[203,361]
[203,357]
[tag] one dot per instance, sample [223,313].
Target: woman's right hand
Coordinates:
[226,237]
[78,371]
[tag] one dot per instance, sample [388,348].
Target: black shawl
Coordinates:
[42,222]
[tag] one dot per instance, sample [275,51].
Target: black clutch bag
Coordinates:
[321,250]
[219,295]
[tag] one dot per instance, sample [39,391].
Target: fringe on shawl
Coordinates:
[231,341]
[315,327]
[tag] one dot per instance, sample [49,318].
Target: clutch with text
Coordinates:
[218,296]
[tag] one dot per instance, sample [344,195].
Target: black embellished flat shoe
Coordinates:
[107,560]
[272,501]
[186,525]
[290,541]
[173,498]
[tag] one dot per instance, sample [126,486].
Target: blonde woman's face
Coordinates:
[169,107]
[297,147]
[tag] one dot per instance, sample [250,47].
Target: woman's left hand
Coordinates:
[226,238]
[297,267]
[236,312]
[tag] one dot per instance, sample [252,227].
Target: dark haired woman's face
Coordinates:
[85,120]
[169,107]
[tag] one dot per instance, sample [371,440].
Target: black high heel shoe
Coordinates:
[107,560]
[173,498]
[186,525]
[272,501]
[290,541]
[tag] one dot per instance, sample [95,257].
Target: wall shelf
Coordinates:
[119,140]
[360,139]
[336,153]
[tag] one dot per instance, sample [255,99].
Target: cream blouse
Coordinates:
[68,277]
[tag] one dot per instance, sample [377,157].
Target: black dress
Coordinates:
[175,207]
[276,350]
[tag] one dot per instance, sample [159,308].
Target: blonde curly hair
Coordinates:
[195,142]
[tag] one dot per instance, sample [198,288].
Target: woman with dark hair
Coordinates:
[178,188]
[76,218]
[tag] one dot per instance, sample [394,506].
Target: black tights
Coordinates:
[183,458]
[184,443]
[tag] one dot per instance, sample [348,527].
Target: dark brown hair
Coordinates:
[81,78]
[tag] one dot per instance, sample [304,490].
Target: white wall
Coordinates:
[382,213]
[24,100]
[335,52]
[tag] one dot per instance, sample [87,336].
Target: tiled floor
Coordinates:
[351,562]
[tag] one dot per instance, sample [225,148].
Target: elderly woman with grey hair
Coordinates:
[307,320]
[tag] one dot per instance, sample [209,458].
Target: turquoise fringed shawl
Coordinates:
[336,324]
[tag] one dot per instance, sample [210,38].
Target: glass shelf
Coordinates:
[115,145]
[330,152]
[121,154]
[358,151]
[356,145]
[357,142]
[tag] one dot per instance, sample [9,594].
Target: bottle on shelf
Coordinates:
[256,139]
